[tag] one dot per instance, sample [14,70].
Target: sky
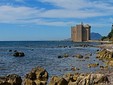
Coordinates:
[52,19]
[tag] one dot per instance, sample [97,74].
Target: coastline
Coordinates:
[109,72]
[106,46]
[106,72]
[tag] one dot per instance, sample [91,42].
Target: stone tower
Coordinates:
[80,33]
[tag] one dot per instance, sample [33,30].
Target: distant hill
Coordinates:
[69,39]
[95,36]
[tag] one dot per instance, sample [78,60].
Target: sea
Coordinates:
[45,54]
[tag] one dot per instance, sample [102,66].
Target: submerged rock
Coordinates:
[10,50]
[37,76]
[79,56]
[18,54]
[63,56]
[60,56]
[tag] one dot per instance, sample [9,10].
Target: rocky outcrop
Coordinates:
[18,54]
[80,79]
[55,80]
[12,79]
[104,54]
[37,76]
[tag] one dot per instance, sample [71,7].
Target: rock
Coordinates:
[68,77]
[63,56]
[55,80]
[103,67]
[104,54]
[15,50]
[110,63]
[10,50]
[86,57]
[97,49]
[18,54]
[60,56]
[79,56]
[29,82]
[93,65]
[66,55]
[37,76]
[12,79]
[89,79]
[74,68]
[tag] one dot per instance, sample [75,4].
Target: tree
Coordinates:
[110,35]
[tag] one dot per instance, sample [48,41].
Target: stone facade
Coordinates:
[80,33]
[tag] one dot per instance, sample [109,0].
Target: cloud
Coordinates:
[19,0]
[16,14]
[78,8]
[66,9]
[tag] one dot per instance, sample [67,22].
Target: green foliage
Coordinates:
[110,35]
[103,38]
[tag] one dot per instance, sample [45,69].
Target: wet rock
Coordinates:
[10,50]
[74,68]
[15,50]
[86,57]
[79,56]
[37,76]
[93,65]
[60,56]
[12,79]
[18,54]
[97,49]
[65,55]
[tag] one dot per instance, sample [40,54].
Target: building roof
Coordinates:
[87,25]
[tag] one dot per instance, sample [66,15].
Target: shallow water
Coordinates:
[45,54]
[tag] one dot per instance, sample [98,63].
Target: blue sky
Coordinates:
[52,19]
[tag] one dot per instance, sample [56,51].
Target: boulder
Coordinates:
[12,79]
[55,80]
[37,76]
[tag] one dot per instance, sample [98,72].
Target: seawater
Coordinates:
[45,54]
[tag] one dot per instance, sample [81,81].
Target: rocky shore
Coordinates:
[39,76]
